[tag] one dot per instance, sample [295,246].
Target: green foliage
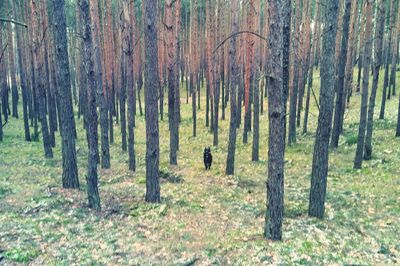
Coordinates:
[21,255]
[4,191]
[351,138]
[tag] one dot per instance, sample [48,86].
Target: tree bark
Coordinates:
[151,95]
[295,78]
[171,64]
[286,14]
[276,114]
[321,147]
[256,95]
[101,88]
[21,41]
[89,59]
[11,59]
[70,170]
[340,96]
[364,93]
[39,74]
[379,31]
[234,71]
[387,58]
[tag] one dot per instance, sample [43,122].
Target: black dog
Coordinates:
[207,158]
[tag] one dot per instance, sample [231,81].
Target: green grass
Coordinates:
[204,215]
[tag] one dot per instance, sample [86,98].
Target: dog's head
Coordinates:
[207,150]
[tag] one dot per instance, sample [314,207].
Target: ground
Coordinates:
[205,217]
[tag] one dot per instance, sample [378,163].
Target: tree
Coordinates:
[364,94]
[2,87]
[348,80]
[101,88]
[70,169]
[340,96]
[256,86]
[21,36]
[395,55]
[216,70]
[234,71]
[128,77]
[11,59]
[295,78]
[38,52]
[321,148]
[286,16]
[276,114]
[249,69]
[171,65]
[92,124]
[392,9]
[311,65]
[151,93]
[193,61]
[378,38]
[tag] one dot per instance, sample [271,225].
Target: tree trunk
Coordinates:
[22,70]
[122,103]
[39,74]
[395,54]
[256,95]
[321,147]
[364,94]
[249,70]
[89,56]
[11,58]
[151,95]
[286,14]
[387,58]
[234,71]
[128,54]
[276,114]
[379,31]
[340,96]
[70,170]
[295,78]
[193,61]
[348,83]
[101,88]
[171,59]
[311,67]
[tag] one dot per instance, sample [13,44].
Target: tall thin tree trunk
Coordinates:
[295,78]
[171,59]
[256,95]
[286,14]
[340,95]
[70,170]
[364,95]
[21,41]
[234,71]
[392,9]
[101,88]
[379,32]
[89,56]
[11,58]
[276,114]
[321,148]
[39,72]
[151,95]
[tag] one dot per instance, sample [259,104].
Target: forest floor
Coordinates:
[205,217]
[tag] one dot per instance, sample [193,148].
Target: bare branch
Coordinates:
[14,22]
[238,33]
